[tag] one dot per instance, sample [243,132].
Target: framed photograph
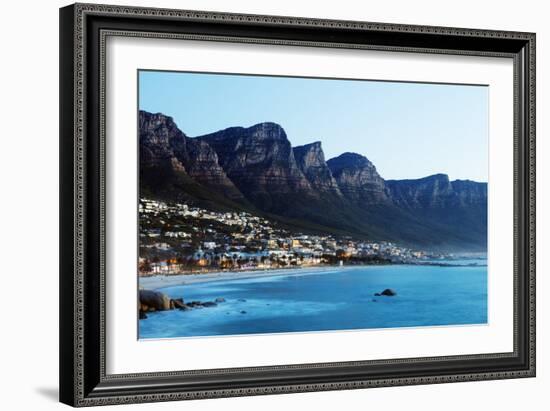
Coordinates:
[261,204]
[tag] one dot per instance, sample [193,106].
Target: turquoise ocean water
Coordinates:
[329,299]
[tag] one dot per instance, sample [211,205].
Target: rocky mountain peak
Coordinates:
[358,179]
[257,132]
[310,154]
[439,178]
[260,161]
[160,131]
[311,161]
[166,153]
[257,166]
[348,160]
[268,131]
[432,191]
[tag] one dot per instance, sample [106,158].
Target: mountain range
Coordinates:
[257,169]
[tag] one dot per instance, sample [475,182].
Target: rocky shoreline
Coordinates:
[152,301]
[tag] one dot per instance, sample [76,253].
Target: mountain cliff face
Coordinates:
[436,191]
[459,207]
[433,191]
[260,161]
[311,161]
[358,179]
[470,192]
[160,140]
[257,169]
[167,153]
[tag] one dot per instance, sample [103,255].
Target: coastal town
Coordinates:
[176,238]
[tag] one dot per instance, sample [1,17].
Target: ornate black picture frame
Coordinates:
[83,31]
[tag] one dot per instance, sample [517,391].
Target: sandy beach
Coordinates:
[161,281]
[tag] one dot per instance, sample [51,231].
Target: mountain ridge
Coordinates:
[257,168]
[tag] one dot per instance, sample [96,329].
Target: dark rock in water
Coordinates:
[374,301]
[389,292]
[209,304]
[243,312]
[242,300]
[377,294]
[178,303]
[154,301]
[194,304]
[220,300]
[142,315]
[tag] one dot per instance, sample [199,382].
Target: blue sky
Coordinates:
[408,130]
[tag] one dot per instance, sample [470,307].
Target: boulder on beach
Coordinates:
[153,301]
